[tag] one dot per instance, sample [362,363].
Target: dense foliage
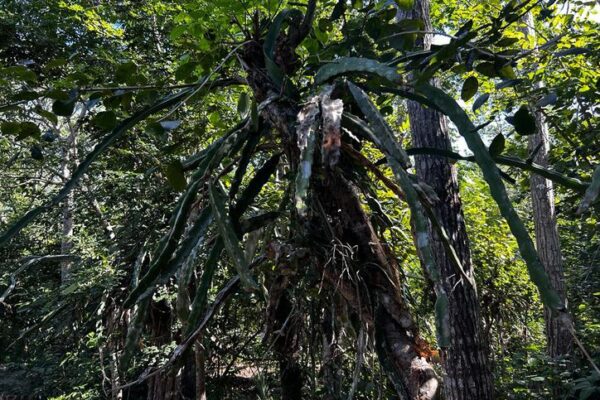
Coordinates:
[156,211]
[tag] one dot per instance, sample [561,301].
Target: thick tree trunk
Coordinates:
[398,343]
[559,340]
[382,309]
[467,372]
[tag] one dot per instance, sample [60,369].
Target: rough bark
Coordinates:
[399,346]
[397,335]
[466,366]
[559,340]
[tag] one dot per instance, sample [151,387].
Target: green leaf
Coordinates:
[469,88]
[592,192]
[57,94]
[185,70]
[506,41]
[28,129]
[507,72]
[279,79]
[70,289]
[165,263]
[486,68]
[275,28]
[36,152]
[587,393]
[480,101]
[395,157]
[247,153]
[405,4]
[21,73]
[134,330]
[26,95]
[254,187]
[497,145]
[346,65]
[10,128]
[57,62]
[175,176]
[46,114]
[524,122]
[208,272]
[230,240]
[155,128]
[126,72]
[105,120]
[64,108]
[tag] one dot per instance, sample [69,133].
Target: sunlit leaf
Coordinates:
[345,65]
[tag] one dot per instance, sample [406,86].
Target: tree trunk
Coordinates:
[396,333]
[466,366]
[283,327]
[547,240]
[559,340]
[200,363]
[398,343]
[331,354]
[69,158]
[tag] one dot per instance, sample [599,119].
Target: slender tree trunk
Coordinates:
[200,361]
[559,340]
[69,158]
[331,354]
[467,373]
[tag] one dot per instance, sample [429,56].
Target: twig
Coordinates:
[583,350]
